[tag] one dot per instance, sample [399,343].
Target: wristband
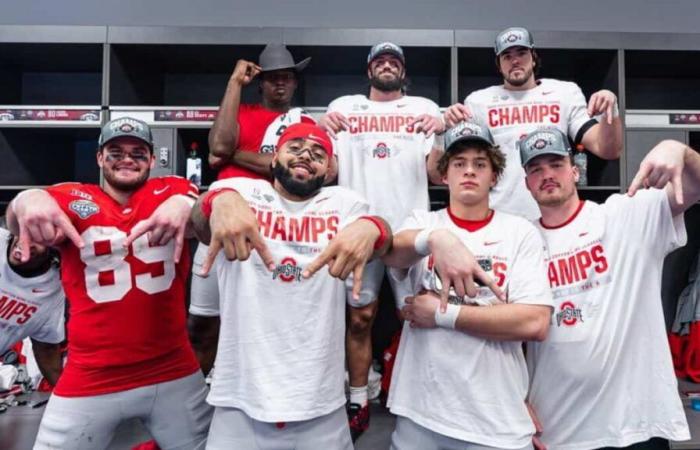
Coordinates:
[383,233]
[448,319]
[209,198]
[421,242]
[22,194]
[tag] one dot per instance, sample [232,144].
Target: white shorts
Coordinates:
[231,428]
[204,292]
[372,278]
[174,412]
[408,435]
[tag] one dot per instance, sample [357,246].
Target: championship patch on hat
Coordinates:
[467,131]
[547,141]
[513,37]
[126,126]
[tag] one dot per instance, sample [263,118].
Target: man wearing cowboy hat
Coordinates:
[243,137]
[241,143]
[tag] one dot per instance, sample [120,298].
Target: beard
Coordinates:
[517,82]
[303,189]
[559,199]
[125,186]
[392,85]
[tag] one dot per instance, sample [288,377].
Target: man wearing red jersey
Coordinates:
[244,136]
[123,269]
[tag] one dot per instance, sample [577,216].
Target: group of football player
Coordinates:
[531,317]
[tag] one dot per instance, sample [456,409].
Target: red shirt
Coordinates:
[127,322]
[253,121]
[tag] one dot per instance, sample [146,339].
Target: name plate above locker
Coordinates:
[638,118]
[47,116]
[189,116]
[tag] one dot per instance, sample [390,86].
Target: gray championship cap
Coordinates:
[513,37]
[467,132]
[545,141]
[386,48]
[126,126]
[277,57]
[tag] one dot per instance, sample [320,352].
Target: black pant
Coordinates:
[651,444]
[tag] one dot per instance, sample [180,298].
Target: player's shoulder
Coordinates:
[563,85]
[420,101]
[341,192]
[481,95]
[517,225]
[346,101]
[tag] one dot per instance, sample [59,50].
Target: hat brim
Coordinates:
[298,67]
[118,135]
[466,139]
[520,44]
[544,153]
[389,52]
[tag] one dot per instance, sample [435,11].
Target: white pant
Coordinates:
[408,435]
[204,292]
[231,428]
[372,278]
[174,412]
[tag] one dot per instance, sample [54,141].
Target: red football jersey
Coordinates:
[127,321]
[253,121]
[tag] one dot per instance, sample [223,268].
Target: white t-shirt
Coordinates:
[381,158]
[510,115]
[462,386]
[29,307]
[281,352]
[604,376]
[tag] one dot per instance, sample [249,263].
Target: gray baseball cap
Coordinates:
[545,141]
[277,57]
[386,47]
[513,37]
[467,132]
[126,126]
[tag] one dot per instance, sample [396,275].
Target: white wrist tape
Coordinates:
[448,319]
[421,242]
[20,195]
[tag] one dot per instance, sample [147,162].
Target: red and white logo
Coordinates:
[381,151]
[569,314]
[287,270]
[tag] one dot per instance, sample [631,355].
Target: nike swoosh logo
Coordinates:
[547,92]
[321,199]
[491,242]
[583,234]
[402,105]
[37,291]
[160,191]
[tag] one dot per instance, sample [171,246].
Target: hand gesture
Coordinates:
[42,222]
[168,221]
[458,268]
[234,228]
[602,102]
[244,72]
[348,252]
[420,309]
[663,164]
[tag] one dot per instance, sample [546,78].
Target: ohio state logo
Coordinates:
[287,270]
[569,314]
[381,151]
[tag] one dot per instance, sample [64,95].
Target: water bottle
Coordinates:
[581,161]
[194,165]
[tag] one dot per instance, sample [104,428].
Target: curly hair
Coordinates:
[494,153]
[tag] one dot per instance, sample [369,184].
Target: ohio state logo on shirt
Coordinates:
[381,151]
[287,270]
[569,314]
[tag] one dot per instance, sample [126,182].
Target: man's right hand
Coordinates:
[456,113]
[42,221]
[333,123]
[234,228]
[458,267]
[244,72]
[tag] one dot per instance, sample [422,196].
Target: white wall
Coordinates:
[584,15]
